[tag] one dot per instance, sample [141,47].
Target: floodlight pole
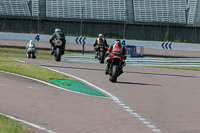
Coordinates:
[81,30]
[38,22]
[168,26]
[125,17]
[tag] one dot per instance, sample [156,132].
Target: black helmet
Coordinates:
[118,42]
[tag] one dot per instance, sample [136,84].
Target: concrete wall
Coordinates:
[70,39]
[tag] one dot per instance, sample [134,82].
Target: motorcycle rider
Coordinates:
[29,46]
[115,49]
[58,35]
[100,41]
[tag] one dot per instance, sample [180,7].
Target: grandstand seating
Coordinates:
[14,7]
[172,11]
[90,9]
[197,18]
[192,11]
[194,15]
[35,8]
[161,11]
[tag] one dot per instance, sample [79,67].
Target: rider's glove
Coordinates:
[107,53]
[125,57]
[124,64]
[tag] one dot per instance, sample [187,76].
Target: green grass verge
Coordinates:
[29,70]
[178,68]
[14,52]
[24,56]
[38,51]
[41,54]
[9,126]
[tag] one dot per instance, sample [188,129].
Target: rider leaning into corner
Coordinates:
[100,41]
[116,49]
[57,35]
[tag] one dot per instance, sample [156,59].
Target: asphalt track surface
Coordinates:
[167,99]
[162,100]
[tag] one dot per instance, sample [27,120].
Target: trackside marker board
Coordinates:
[77,86]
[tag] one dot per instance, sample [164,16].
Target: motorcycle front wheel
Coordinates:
[58,54]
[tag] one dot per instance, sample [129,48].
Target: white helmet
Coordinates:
[100,35]
[31,42]
[57,30]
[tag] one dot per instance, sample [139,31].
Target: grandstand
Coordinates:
[194,14]
[185,12]
[88,9]
[172,11]
[35,8]
[14,7]
[197,18]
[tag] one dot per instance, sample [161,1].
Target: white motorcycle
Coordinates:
[31,50]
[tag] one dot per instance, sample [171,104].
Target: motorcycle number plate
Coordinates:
[101,49]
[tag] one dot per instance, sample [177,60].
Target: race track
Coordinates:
[60,111]
[152,100]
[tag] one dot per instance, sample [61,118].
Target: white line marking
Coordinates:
[19,60]
[121,104]
[129,110]
[146,122]
[118,102]
[156,130]
[102,90]
[28,123]
[151,126]
[126,107]
[142,119]
[136,115]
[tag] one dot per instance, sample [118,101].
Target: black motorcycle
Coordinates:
[58,50]
[101,53]
[115,68]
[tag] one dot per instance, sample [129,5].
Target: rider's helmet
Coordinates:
[118,42]
[100,35]
[57,30]
[31,44]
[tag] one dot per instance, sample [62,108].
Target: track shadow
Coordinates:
[144,73]
[138,83]
[160,74]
